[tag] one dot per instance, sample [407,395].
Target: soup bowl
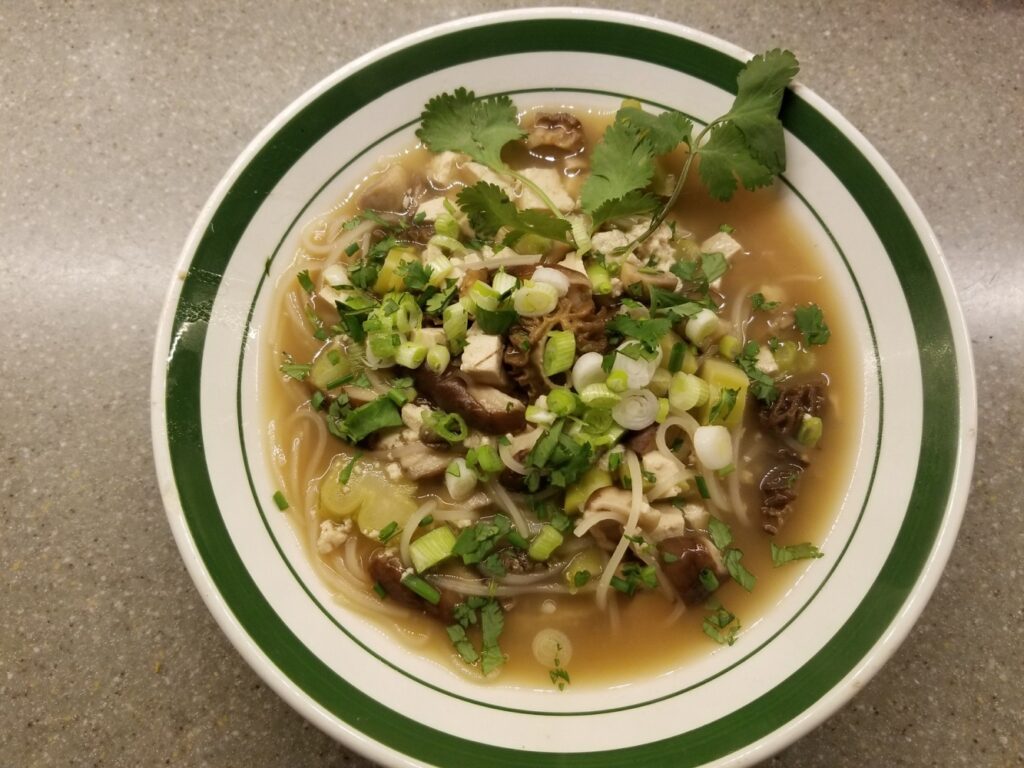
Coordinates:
[808,652]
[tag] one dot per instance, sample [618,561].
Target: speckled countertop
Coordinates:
[116,121]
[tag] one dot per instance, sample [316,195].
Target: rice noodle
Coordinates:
[739,507]
[519,260]
[636,482]
[500,495]
[515,445]
[715,491]
[482,588]
[685,422]
[591,520]
[677,612]
[411,525]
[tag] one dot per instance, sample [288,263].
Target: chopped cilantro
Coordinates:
[811,322]
[305,281]
[297,371]
[346,473]
[761,384]
[737,570]
[720,534]
[760,304]
[492,622]
[723,406]
[783,555]
[415,275]
[457,634]
[367,419]
[647,332]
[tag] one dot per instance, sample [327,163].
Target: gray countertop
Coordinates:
[118,119]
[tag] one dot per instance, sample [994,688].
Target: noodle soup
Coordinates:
[548,436]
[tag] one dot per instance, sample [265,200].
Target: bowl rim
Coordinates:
[913,602]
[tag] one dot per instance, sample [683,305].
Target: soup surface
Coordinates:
[546,461]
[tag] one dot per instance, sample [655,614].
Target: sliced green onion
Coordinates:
[382,344]
[702,486]
[388,531]
[280,501]
[559,352]
[702,326]
[451,427]
[421,587]
[618,381]
[675,358]
[687,391]
[438,358]
[588,370]
[503,282]
[598,396]
[581,225]
[547,541]
[663,410]
[660,382]
[536,414]
[447,243]
[445,224]
[410,354]
[637,409]
[708,579]
[713,446]
[488,460]
[535,299]
[561,402]
[729,347]
[810,431]
[600,280]
[484,296]
[456,321]
[531,243]
[432,548]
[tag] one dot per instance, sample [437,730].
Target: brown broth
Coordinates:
[645,642]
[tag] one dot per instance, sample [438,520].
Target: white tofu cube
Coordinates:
[432,208]
[482,358]
[723,243]
[766,361]
[443,168]
[553,184]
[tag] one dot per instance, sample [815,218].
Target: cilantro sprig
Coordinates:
[745,146]
[480,128]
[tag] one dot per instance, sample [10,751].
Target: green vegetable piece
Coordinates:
[421,587]
[576,495]
[783,555]
[559,352]
[723,376]
[492,623]
[809,432]
[546,542]
[432,548]
[330,369]
[489,209]
[280,501]
[367,419]
[737,570]
[811,322]
[460,122]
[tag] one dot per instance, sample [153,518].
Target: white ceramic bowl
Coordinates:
[798,663]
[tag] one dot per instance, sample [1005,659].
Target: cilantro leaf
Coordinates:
[663,132]
[723,406]
[367,419]
[492,623]
[811,322]
[489,209]
[713,265]
[783,555]
[647,332]
[621,163]
[297,371]
[761,84]
[737,570]
[460,122]
[759,304]
[721,535]
[761,384]
[724,157]
[631,204]
[415,275]
[457,634]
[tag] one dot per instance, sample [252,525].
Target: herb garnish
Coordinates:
[783,555]
[811,322]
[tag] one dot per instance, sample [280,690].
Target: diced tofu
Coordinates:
[606,242]
[659,244]
[443,168]
[573,261]
[333,535]
[697,516]
[432,208]
[481,359]
[412,416]
[333,275]
[431,337]
[765,362]
[670,477]
[552,182]
[671,523]
[478,172]
[723,243]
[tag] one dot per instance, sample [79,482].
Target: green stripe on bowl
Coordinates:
[844,651]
